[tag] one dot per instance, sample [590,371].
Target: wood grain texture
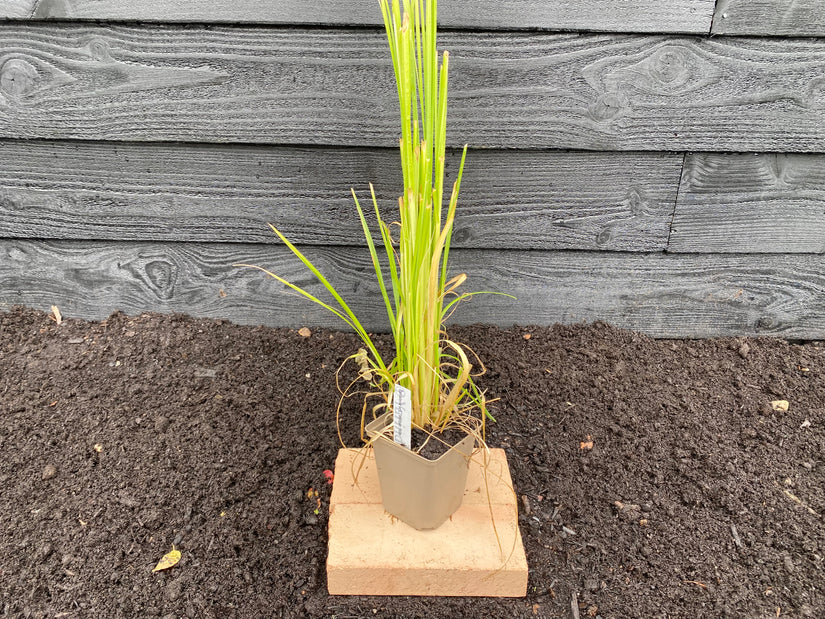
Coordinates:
[513,199]
[600,15]
[751,204]
[17,9]
[662,295]
[509,90]
[770,17]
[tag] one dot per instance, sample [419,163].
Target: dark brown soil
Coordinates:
[119,439]
[433,445]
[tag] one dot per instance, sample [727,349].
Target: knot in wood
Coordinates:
[670,70]
[764,323]
[636,201]
[608,106]
[671,65]
[99,50]
[461,236]
[161,275]
[18,77]
[17,254]
[9,201]
[604,237]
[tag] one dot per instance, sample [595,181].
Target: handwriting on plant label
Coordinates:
[402,415]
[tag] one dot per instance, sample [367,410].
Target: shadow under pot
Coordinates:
[420,492]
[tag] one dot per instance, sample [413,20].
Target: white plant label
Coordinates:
[401,415]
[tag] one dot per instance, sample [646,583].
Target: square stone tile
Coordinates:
[477,552]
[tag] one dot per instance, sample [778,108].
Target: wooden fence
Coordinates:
[658,165]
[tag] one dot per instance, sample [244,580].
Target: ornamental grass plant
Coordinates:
[419,295]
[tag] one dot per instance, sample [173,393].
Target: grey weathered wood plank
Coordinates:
[770,17]
[600,15]
[663,295]
[513,199]
[751,204]
[17,9]
[511,90]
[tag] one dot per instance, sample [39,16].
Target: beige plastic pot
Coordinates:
[421,492]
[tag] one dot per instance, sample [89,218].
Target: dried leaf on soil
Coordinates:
[168,560]
[796,499]
[697,583]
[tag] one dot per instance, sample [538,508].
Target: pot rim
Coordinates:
[375,429]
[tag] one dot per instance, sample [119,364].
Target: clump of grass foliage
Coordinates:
[420,296]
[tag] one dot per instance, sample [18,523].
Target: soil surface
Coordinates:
[655,478]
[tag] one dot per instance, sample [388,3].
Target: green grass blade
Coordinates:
[467,295]
[353,319]
[451,216]
[300,291]
[374,256]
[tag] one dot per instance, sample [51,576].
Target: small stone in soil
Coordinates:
[646,551]
[526,503]
[150,518]
[173,590]
[128,501]
[161,424]
[49,471]
[628,511]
